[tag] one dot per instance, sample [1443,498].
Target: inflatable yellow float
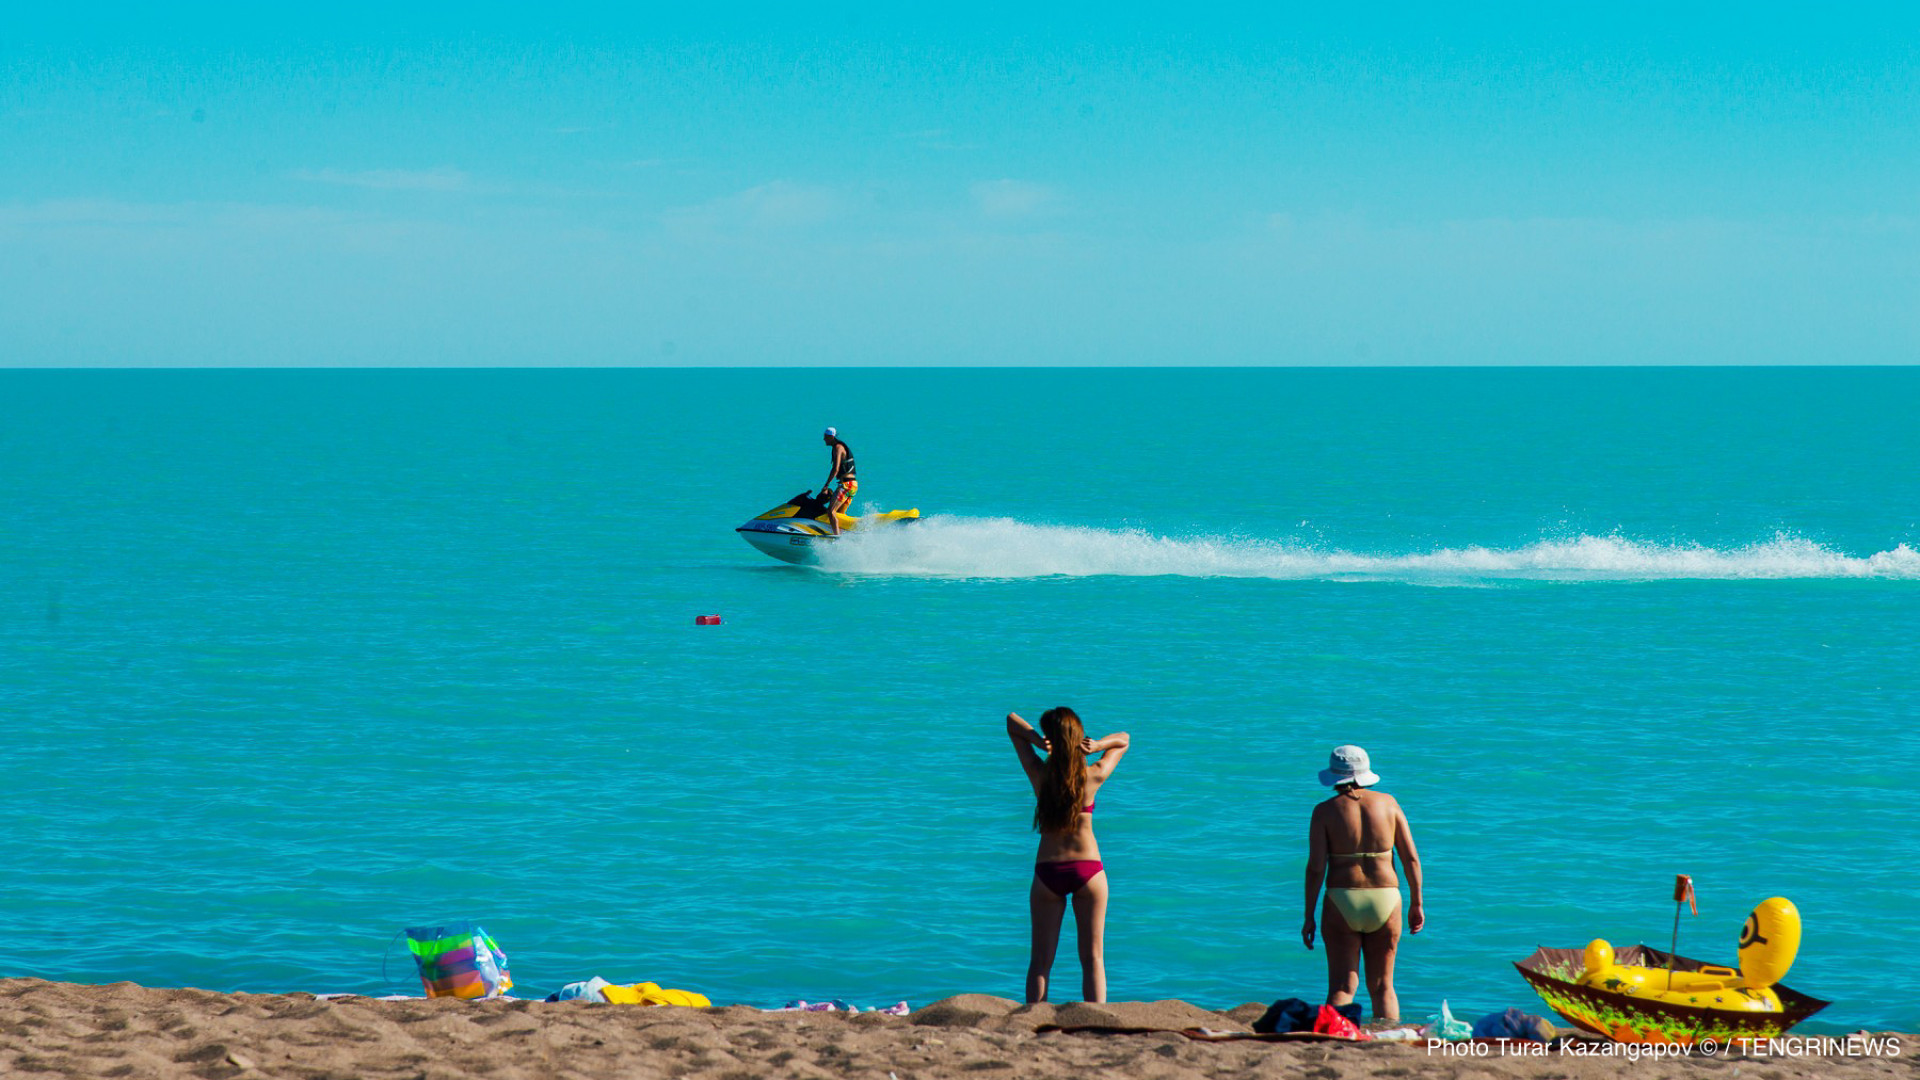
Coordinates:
[1642,995]
[1768,943]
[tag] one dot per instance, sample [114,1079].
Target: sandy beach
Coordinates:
[124,1030]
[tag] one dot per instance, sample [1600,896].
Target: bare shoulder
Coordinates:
[1390,806]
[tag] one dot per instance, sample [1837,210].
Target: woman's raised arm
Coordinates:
[1025,742]
[1111,749]
[1023,735]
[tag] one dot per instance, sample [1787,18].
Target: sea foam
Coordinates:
[1004,548]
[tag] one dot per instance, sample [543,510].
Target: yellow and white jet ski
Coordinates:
[796,530]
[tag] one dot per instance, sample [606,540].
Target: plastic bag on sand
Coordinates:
[459,960]
[1291,1014]
[1514,1024]
[1449,1028]
[588,990]
[1331,1021]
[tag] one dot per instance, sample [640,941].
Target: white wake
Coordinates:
[1003,548]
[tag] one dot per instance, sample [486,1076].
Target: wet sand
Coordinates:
[124,1030]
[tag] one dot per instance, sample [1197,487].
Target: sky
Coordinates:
[959,185]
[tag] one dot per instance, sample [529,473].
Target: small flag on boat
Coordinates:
[1683,892]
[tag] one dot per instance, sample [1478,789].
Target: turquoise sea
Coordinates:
[292,659]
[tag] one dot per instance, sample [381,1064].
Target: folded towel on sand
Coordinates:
[1293,1014]
[646,993]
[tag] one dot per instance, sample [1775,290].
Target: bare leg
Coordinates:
[835,506]
[1048,910]
[1090,924]
[1343,955]
[1380,947]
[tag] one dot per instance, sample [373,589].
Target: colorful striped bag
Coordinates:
[459,960]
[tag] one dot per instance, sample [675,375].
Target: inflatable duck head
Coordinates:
[1769,942]
[1599,955]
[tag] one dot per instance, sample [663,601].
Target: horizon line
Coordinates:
[1491,366]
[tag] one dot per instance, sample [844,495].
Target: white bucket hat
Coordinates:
[1348,765]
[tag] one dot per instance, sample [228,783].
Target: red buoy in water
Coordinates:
[706,620]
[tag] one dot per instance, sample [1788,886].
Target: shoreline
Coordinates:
[126,1030]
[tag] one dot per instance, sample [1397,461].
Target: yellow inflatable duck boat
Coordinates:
[1638,994]
[1768,943]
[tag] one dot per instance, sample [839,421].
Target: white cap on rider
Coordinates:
[831,433]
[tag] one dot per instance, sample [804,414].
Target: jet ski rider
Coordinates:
[841,474]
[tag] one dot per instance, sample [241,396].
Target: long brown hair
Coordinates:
[1063,789]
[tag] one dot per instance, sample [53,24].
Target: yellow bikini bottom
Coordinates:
[1365,910]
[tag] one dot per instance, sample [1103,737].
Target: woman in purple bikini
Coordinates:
[1068,862]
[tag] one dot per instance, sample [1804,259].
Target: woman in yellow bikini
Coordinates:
[1354,837]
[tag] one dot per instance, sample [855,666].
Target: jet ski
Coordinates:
[796,530]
